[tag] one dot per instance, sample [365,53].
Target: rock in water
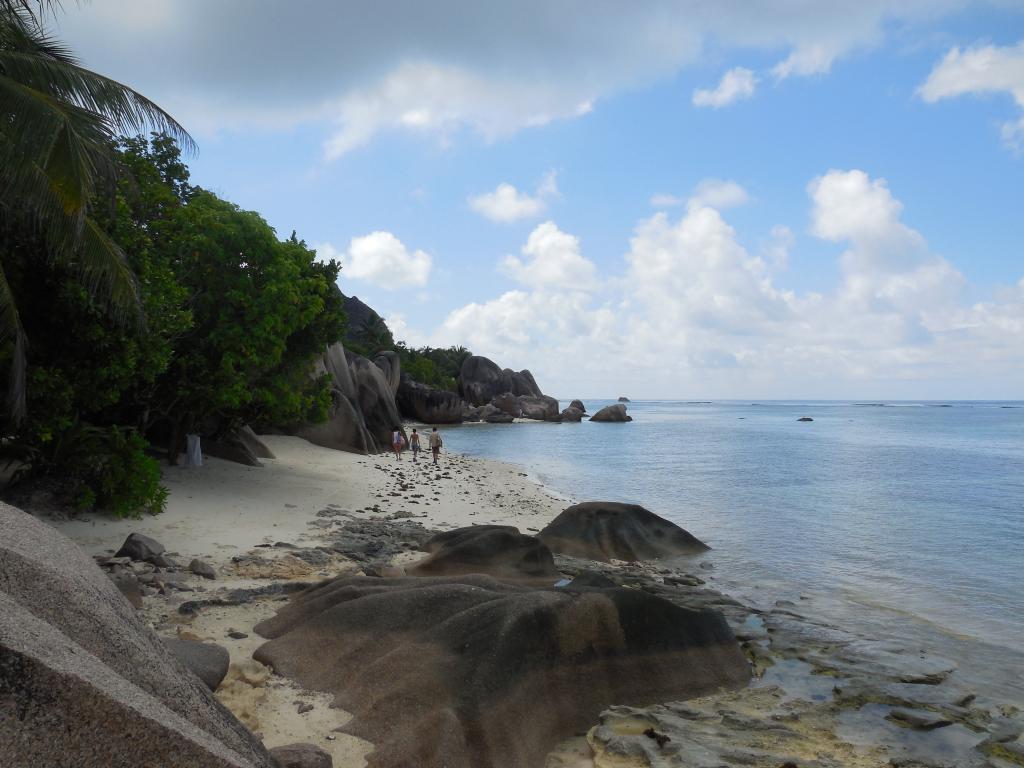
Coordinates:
[480,380]
[606,530]
[88,684]
[497,550]
[208,661]
[571,414]
[612,413]
[624,399]
[427,404]
[578,405]
[507,403]
[301,756]
[539,407]
[141,548]
[805,418]
[470,672]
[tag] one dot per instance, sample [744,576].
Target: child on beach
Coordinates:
[435,443]
[414,444]
[397,442]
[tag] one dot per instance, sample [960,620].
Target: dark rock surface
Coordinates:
[472,672]
[427,404]
[360,317]
[805,418]
[578,405]
[233,447]
[571,414]
[88,684]
[606,530]
[301,756]
[208,661]
[199,568]
[140,547]
[507,403]
[480,380]
[497,550]
[612,413]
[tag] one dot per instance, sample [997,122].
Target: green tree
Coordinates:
[58,124]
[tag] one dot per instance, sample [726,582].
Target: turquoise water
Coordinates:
[912,508]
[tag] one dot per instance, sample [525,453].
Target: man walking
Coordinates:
[435,443]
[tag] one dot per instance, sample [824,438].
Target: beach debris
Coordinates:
[234,634]
[201,568]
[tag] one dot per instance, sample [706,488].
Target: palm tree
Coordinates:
[58,125]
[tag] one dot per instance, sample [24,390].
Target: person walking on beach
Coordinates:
[435,443]
[397,441]
[414,444]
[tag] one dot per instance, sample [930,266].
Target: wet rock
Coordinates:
[888,661]
[571,415]
[301,756]
[208,661]
[612,413]
[805,418]
[497,550]
[476,654]
[200,568]
[604,530]
[578,405]
[918,719]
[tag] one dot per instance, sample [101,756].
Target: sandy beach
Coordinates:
[222,512]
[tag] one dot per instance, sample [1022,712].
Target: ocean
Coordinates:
[906,519]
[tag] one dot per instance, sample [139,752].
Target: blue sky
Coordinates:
[857,232]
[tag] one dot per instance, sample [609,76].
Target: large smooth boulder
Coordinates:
[208,661]
[607,530]
[508,403]
[471,672]
[391,367]
[578,405]
[301,756]
[612,413]
[539,407]
[498,550]
[571,414]
[140,547]
[83,682]
[427,404]
[363,409]
[480,380]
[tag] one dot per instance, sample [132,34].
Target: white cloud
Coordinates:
[736,84]
[440,68]
[552,259]
[666,201]
[506,203]
[716,193]
[382,259]
[695,312]
[986,69]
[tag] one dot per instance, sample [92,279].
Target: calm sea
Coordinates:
[898,516]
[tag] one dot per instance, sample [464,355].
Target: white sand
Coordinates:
[222,510]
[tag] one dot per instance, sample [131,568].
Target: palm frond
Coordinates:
[105,271]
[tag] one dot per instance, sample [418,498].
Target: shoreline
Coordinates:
[232,516]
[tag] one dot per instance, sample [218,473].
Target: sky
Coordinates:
[744,199]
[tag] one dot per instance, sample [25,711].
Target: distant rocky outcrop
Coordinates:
[480,380]
[496,550]
[624,399]
[427,404]
[83,682]
[360,318]
[363,410]
[606,530]
[612,413]
[578,405]
[471,671]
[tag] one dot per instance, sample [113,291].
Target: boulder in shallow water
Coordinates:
[507,403]
[538,407]
[607,530]
[88,684]
[612,413]
[470,672]
[571,414]
[498,550]
[578,405]
[805,418]
[301,756]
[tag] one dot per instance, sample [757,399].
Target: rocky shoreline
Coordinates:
[822,694]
